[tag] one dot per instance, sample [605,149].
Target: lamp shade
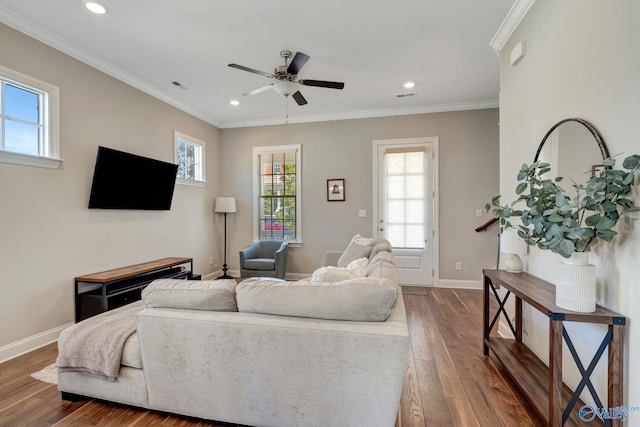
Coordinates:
[511,243]
[225,204]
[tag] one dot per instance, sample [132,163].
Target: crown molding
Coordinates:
[440,108]
[37,32]
[517,12]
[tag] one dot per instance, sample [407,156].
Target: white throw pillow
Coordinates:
[359,247]
[214,295]
[356,268]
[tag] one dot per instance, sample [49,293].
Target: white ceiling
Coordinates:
[373,46]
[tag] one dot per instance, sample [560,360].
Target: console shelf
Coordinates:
[100,292]
[556,403]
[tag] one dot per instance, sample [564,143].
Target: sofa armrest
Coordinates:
[331,258]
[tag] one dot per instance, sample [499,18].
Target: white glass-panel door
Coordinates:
[405,206]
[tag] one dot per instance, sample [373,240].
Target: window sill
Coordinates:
[191,182]
[29,160]
[292,243]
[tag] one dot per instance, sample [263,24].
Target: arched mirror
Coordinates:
[575,150]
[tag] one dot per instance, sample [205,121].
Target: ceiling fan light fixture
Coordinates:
[234,102]
[409,85]
[285,88]
[95,7]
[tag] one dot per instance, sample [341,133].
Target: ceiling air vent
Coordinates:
[405,94]
[180,85]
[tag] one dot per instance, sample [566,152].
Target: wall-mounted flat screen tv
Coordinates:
[127,181]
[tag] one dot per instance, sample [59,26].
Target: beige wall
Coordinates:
[582,61]
[47,234]
[468,142]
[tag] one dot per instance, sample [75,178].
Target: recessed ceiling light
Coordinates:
[96,7]
[409,85]
[234,102]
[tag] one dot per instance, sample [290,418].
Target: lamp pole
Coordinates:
[225,205]
[224,266]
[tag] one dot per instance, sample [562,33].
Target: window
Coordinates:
[405,198]
[189,155]
[277,211]
[28,121]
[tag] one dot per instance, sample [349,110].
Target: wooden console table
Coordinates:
[100,292]
[541,384]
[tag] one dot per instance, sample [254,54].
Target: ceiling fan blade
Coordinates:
[259,90]
[297,63]
[322,83]
[299,98]
[251,70]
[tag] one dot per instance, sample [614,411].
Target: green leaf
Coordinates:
[521,188]
[565,248]
[556,218]
[592,220]
[609,206]
[606,234]
[631,162]
[605,224]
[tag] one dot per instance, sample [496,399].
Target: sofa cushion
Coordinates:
[365,299]
[359,247]
[131,355]
[217,295]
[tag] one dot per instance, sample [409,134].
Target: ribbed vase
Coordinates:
[576,284]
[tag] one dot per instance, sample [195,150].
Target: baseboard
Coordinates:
[212,276]
[460,284]
[26,345]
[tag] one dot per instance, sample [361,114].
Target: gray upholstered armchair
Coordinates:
[266,258]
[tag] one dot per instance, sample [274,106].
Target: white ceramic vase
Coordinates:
[576,284]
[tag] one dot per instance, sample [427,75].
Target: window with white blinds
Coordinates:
[277,211]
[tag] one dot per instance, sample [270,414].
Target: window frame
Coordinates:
[273,149]
[200,180]
[49,140]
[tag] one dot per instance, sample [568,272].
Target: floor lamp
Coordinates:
[225,205]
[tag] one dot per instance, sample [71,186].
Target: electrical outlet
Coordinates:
[210,260]
[459,265]
[478,213]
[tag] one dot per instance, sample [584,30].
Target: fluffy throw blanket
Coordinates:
[95,345]
[356,268]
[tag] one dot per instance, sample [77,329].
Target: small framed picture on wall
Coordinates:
[335,190]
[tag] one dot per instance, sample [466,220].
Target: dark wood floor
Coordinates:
[448,381]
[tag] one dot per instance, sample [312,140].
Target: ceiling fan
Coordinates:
[286,76]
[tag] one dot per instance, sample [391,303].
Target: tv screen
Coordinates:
[127,181]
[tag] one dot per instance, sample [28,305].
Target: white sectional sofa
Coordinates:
[275,362]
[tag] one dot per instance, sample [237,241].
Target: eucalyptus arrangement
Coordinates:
[565,223]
